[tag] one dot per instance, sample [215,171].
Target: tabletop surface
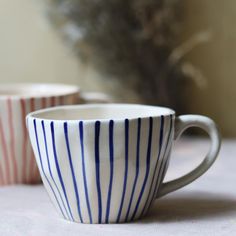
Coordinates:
[205,207]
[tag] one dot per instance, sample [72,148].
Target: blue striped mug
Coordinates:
[105,163]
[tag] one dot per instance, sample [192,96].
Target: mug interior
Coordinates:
[36,90]
[101,112]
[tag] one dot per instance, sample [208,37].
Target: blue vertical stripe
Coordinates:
[158,177]
[164,161]
[42,168]
[97,166]
[165,166]
[81,133]
[147,167]
[137,169]
[58,168]
[72,170]
[126,168]
[49,168]
[111,149]
[158,157]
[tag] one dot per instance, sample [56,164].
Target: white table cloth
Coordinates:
[206,207]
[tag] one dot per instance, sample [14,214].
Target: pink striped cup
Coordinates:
[17,162]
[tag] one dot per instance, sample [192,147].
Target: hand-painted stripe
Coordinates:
[137,169]
[52,101]
[24,140]
[6,158]
[158,157]
[126,168]
[111,149]
[165,165]
[43,102]
[81,133]
[33,167]
[2,182]
[58,168]
[72,171]
[147,168]
[163,159]
[50,171]
[42,168]
[12,142]
[97,165]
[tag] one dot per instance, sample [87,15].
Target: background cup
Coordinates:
[106,163]
[17,162]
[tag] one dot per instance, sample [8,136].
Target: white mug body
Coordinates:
[102,163]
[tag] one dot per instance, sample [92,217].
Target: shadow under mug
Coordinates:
[17,162]
[106,163]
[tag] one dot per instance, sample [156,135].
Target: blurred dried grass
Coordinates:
[134,41]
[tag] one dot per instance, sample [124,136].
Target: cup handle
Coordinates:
[182,123]
[93,97]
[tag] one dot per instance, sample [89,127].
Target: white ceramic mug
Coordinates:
[17,162]
[106,163]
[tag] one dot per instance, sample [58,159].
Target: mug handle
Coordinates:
[93,97]
[182,123]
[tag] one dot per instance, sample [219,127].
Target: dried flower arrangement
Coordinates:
[134,41]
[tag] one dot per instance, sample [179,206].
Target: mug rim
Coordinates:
[36,114]
[63,90]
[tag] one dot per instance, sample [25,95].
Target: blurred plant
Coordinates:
[134,41]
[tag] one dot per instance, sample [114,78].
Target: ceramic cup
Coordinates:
[106,163]
[17,162]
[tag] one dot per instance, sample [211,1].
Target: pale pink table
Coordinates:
[206,207]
